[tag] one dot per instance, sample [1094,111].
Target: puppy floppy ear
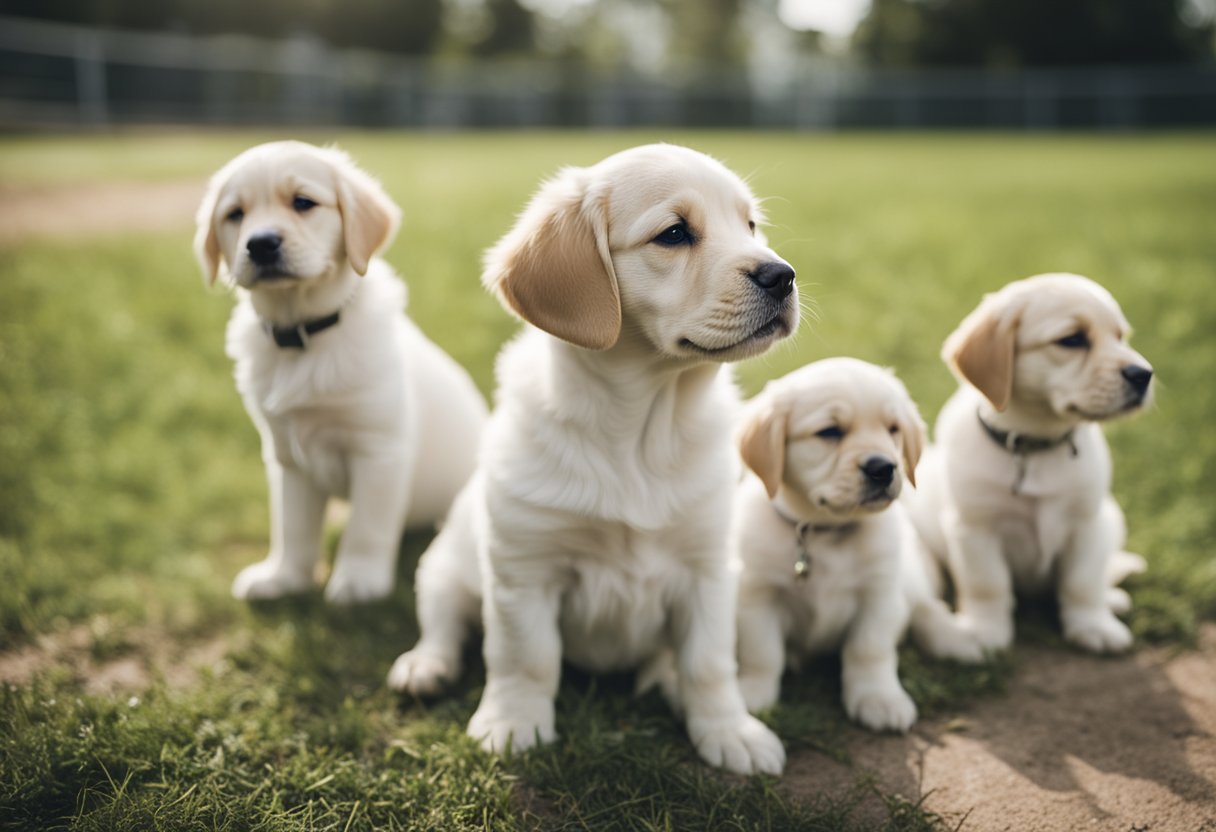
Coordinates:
[369,217]
[981,350]
[761,440]
[554,270]
[206,241]
[912,433]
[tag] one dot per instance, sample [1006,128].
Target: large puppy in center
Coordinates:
[350,398]
[601,506]
[1016,493]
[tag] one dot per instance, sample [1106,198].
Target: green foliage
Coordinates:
[992,33]
[132,489]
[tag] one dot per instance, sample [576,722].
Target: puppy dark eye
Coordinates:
[303,203]
[751,224]
[1076,341]
[236,215]
[894,429]
[833,432]
[677,235]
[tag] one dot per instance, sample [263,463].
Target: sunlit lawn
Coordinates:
[131,489]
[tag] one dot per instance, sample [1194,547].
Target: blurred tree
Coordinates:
[509,30]
[706,32]
[997,33]
[410,26]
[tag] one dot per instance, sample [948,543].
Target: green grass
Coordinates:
[132,490]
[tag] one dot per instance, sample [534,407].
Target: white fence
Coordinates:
[54,75]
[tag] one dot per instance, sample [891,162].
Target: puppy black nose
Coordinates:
[264,248]
[878,470]
[1138,377]
[775,278]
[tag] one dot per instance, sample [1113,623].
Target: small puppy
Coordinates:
[827,558]
[350,398]
[601,504]
[1017,494]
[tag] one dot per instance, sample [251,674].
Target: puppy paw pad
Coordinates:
[1098,632]
[264,581]
[349,588]
[883,710]
[745,746]
[420,674]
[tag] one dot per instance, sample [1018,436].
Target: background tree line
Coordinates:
[590,33]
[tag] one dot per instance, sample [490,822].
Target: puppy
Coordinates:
[601,504]
[350,398]
[827,558]
[1017,494]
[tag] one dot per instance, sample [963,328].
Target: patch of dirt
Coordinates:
[91,210]
[1078,743]
[145,657]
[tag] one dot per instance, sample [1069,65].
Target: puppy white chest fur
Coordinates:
[1056,489]
[825,604]
[615,601]
[343,394]
[615,495]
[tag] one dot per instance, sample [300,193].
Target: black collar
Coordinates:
[296,337]
[802,566]
[1021,443]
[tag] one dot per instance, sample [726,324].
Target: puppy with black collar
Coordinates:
[827,559]
[350,398]
[1015,497]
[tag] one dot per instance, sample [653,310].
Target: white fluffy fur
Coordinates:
[601,505]
[371,411]
[1062,530]
[867,581]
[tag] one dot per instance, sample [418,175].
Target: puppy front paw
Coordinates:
[268,579]
[957,643]
[742,746]
[511,727]
[421,674]
[993,630]
[359,583]
[1096,630]
[1118,600]
[759,690]
[881,709]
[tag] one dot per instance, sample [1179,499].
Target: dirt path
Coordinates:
[1077,743]
[92,210]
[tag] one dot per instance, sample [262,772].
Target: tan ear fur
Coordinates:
[554,270]
[761,441]
[206,241]
[981,351]
[369,217]
[912,431]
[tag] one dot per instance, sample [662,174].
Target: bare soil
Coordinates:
[1077,743]
[92,210]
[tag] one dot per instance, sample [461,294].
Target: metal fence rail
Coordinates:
[54,75]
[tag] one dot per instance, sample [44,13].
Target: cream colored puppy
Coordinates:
[827,558]
[350,398]
[1017,494]
[601,505]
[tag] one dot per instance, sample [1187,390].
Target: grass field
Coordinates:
[131,490]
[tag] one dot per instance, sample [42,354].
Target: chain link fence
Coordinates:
[55,76]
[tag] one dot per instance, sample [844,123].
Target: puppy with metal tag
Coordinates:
[1016,494]
[827,559]
[350,398]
